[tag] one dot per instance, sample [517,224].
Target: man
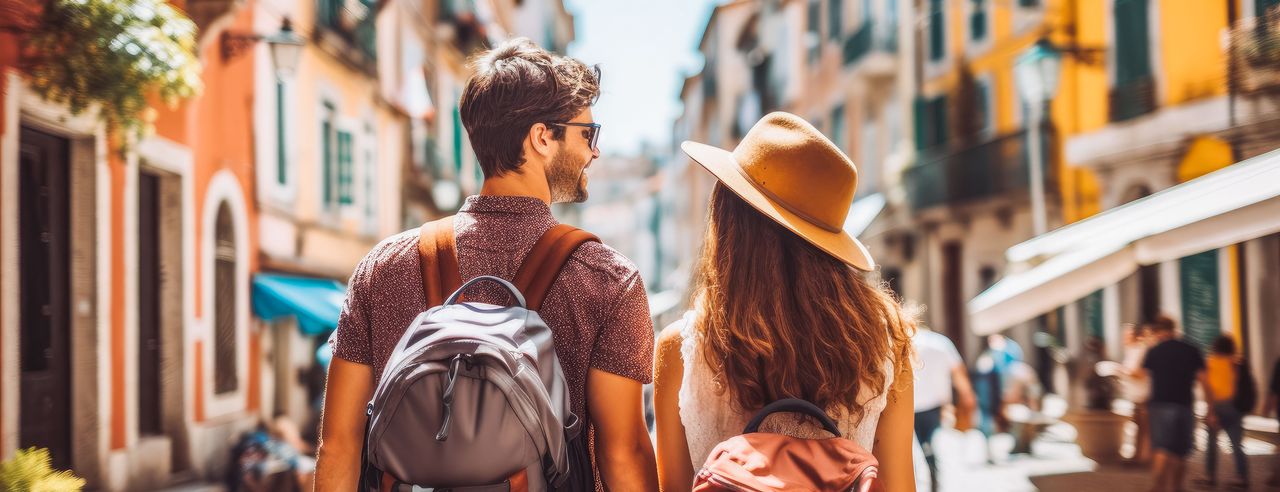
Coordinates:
[941,369]
[528,115]
[1173,366]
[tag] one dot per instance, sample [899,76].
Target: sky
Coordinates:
[644,48]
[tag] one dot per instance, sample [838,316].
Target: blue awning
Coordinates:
[315,302]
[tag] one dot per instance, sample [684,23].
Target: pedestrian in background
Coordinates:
[1137,389]
[941,370]
[1173,366]
[1224,372]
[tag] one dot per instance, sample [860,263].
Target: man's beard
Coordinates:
[564,177]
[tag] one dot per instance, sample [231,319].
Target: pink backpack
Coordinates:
[764,462]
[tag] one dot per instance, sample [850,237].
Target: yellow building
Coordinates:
[1153,95]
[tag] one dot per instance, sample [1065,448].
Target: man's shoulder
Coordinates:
[601,259]
[397,248]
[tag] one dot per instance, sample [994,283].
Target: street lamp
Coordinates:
[286,46]
[1036,74]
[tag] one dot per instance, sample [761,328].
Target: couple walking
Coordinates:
[782,304]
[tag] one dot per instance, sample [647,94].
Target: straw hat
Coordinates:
[789,171]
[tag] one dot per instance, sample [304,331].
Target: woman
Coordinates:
[780,311]
[1222,368]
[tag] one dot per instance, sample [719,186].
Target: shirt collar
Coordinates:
[520,205]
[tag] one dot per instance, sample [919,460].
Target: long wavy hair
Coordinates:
[780,318]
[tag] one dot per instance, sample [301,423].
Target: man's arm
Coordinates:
[624,453]
[348,389]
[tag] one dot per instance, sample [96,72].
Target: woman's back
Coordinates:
[710,415]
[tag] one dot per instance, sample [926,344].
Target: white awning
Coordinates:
[862,213]
[1232,205]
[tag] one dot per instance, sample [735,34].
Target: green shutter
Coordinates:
[1091,314]
[1133,61]
[980,97]
[978,20]
[937,30]
[344,168]
[919,113]
[457,143]
[1198,276]
[835,18]
[282,175]
[939,120]
[326,143]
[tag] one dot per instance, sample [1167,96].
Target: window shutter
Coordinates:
[1198,276]
[937,30]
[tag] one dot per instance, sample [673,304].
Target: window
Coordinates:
[937,30]
[835,18]
[1134,91]
[1028,3]
[1132,51]
[224,301]
[978,19]
[838,129]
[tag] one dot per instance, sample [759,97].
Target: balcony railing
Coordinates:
[1254,50]
[351,20]
[1132,99]
[986,170]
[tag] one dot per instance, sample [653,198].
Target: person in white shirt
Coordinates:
[941,369]
[1136,388]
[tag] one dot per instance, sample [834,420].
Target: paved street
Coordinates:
[1056,465]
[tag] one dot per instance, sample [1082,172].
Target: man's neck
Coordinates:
[528,183]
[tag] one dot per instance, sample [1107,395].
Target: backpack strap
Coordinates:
[543,263]
[439,258]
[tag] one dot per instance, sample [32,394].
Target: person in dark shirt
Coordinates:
[1173,366]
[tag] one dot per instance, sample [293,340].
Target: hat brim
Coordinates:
[722,165]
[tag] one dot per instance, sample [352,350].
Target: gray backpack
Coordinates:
[473,398]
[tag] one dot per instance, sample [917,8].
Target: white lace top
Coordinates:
[709,416]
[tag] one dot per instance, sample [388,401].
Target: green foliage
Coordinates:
[31,471]
[113,54]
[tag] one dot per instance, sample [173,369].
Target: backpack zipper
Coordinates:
[447,398]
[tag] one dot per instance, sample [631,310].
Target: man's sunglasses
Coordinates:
[593,135]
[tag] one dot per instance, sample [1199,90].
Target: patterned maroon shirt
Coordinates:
[597,308]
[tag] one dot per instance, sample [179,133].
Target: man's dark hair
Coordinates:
[1224,345]
[514,86]
[1161,324]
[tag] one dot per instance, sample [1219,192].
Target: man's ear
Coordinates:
[541,141]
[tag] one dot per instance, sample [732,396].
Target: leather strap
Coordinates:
[543,263]
[538,271]
[439,258]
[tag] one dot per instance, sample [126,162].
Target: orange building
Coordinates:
[126,346]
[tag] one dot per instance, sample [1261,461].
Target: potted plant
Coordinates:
[30,470]
[1099,430]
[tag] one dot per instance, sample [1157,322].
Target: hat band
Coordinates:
[783,203]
